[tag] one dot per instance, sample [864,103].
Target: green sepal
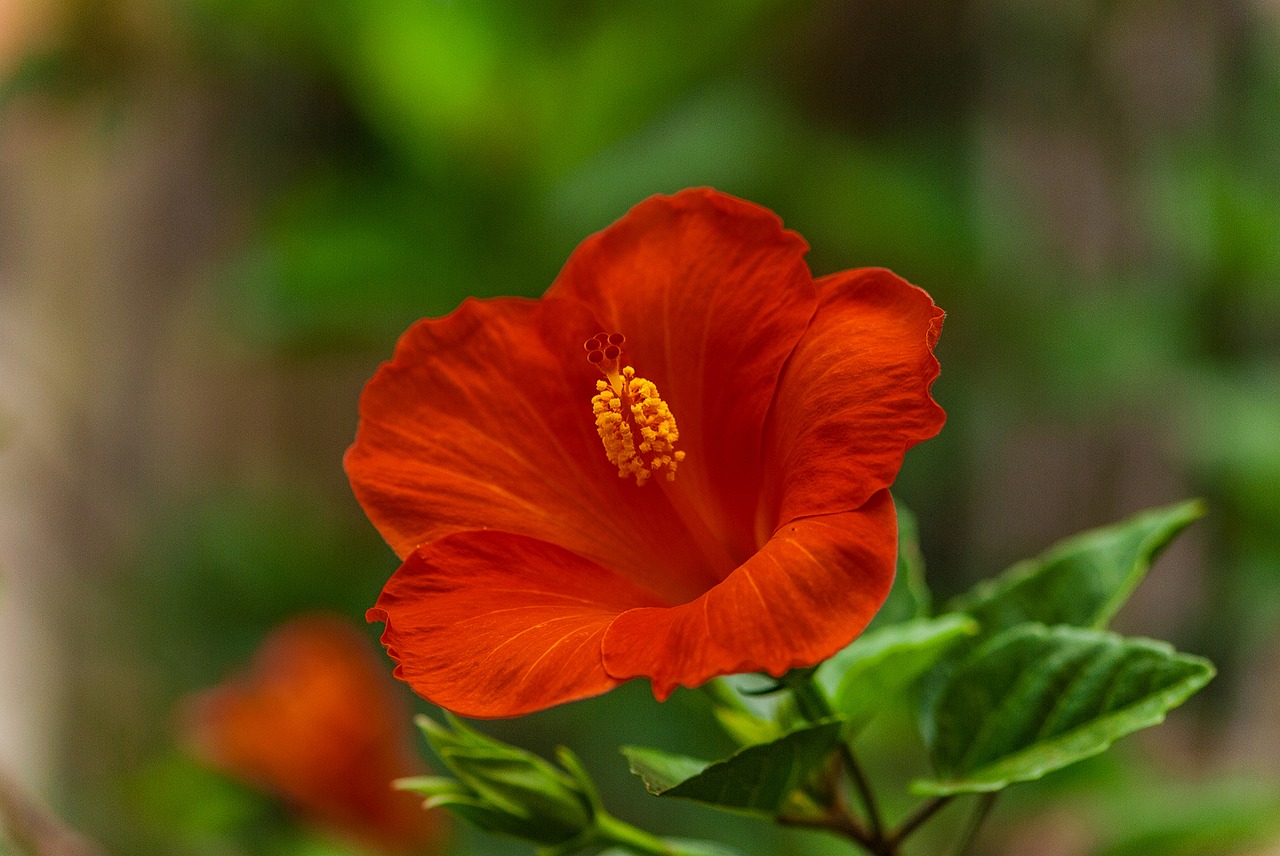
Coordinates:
[586,786]
[882,664]
[762,779]
[1081,581]
[1034,699]
[504,789]
[453,795]
[481,815]
[429,786]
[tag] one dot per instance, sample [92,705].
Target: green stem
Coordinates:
[610,830]
[874,824]
[980,813]
[917,819]
[809,697]
[814,706]
[723,695]
[837,822]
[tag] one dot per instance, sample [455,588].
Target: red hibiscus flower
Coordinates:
[316,722]
[701,491]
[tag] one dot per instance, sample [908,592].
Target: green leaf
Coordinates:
[189,802]
[1081,581]
[744,724]
[1202,817]
[881,664]
[1034,699]
[910,597]
[745,727]
[662,771]
[756,780]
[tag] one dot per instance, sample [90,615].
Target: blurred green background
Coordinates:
[216,216]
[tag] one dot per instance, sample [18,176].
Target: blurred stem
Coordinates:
[917,819]
[837,822]
[980,812]
[814,706]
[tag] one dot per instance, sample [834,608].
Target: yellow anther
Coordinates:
[628,408]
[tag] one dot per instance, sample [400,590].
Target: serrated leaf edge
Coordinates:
[627,751]
[1156,706]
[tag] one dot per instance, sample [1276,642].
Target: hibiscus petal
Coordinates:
[809,591]
[490,624]
[482,420]
[712,294]
[854,396]
[317,721]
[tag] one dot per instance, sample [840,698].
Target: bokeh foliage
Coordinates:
[1091,189]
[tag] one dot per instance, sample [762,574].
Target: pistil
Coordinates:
[635,425]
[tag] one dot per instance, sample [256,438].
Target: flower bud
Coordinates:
[505,790]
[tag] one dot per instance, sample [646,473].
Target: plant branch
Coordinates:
[917,819]
[980,812]
[610,830]
[814,706]
[837,822]
[874,823]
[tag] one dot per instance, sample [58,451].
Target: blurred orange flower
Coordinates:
[316,722]
[756,419]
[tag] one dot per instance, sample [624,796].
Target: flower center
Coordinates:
[634,423]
